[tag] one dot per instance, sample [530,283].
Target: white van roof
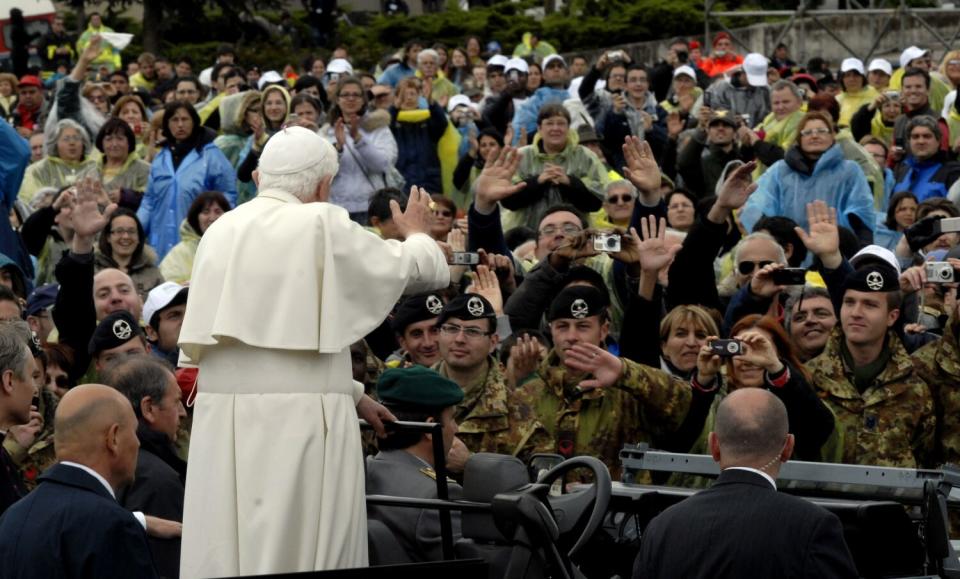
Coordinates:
[29,7]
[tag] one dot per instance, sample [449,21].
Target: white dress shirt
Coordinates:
[769,478]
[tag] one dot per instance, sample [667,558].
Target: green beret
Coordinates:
[417,386]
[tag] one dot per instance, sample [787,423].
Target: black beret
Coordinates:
[577,302]
[417,386]
[873,278]
[416,309]
[467,307]
[114,330]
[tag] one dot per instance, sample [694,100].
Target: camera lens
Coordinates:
[611,242]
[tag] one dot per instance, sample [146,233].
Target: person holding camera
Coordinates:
[501,108]
[878,118]
[722,58]
[701,159]
[662,74]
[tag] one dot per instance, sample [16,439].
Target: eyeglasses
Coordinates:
[616,199]
[747,267]
[121,232]
[817,131]
[63,382]
[618,76]
[351,95]
[71,138]
[567,229]
[454,330]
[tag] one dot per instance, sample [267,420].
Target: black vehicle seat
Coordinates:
[383,545]
[485,476]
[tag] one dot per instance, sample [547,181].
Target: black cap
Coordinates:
[115,330]
[873,278]
[468,307]
[577,302]
[416,309]
[723,116]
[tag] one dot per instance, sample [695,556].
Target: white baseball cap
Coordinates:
[269,77]
[458,101]
[849,64]
[162,296]
[880,64]
[498,60]
[517,64]
[551,58]
[340,66]
[684,69]
[755,67]
[911,53]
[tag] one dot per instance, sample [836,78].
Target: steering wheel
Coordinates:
[568,509]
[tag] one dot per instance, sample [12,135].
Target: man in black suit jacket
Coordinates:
[71,526]
[741,526]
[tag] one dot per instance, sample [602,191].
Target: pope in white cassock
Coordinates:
[281,287]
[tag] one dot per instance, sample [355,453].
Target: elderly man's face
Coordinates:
[619,204]
[554,229]
[753,255]
[428,66]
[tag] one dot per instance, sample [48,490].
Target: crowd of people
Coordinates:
[628,244]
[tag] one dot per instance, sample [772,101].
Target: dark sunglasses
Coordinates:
[747,267]
[63,382]
[625,198]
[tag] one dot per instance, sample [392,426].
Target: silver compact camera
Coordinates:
[465,258]
[606,242]
[939,272]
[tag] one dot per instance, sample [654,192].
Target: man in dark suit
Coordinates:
[149,383]
[17,388]
[71,526]
[741,526]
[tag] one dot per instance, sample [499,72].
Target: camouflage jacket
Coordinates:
[554,417]
[938,363]
[890,424]
[40,456]
[484,415]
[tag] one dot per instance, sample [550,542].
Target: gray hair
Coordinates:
[789,85]
[428,52]
[138,377]
[15,352]
[618,184]
[781,255]
[51,143]
[925,121]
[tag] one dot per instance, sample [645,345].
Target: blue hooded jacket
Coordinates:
[526,115]
[926,179]
[787,187]
[171,191]
[13,163]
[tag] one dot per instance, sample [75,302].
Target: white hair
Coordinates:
[304,184]
[428,52]
[781,255]
[50,144]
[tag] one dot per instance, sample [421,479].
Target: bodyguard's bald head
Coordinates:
[751,426]
[84,417]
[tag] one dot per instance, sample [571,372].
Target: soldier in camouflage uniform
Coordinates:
[468,340]
[883,408]
[415,324]
[583,400]
[938,363]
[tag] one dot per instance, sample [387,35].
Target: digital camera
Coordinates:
[939,272]
[465,258]
[726,348]
[606,242]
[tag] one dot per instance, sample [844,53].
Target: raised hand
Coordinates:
[573,248]
[824,237]
[642,169]
[495,181]
[605,368]
[487,285]
[524,359]
[417,216]
[502,265]
[87,218]
[654,252]
[737,188]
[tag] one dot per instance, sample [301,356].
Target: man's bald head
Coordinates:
[114,290]
[95,426]
[751,428]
